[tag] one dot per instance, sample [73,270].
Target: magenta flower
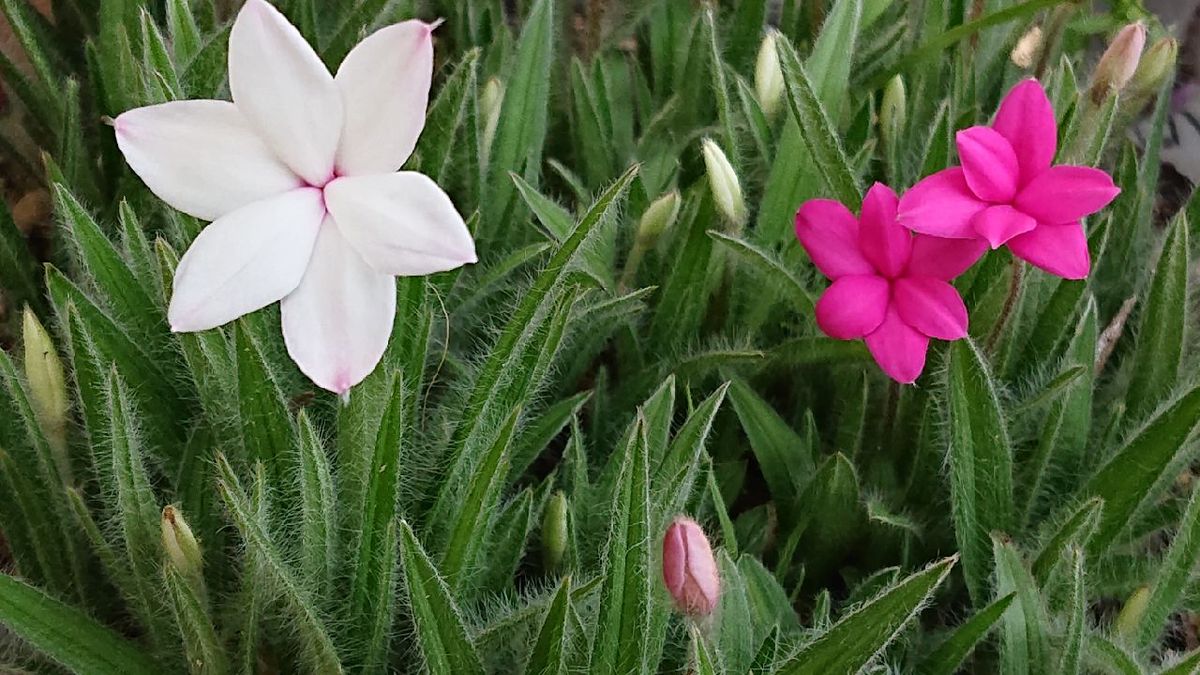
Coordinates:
[1007,192]
[889,285]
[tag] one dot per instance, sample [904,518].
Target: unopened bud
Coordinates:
[1119,62]
[768,76]
[1025,54]
[659,217]
[723,180]
[893,112]
[1156,65]
[183,551]
[689,570]
[1130,616]
[554,530]
[47,387]
[490,103]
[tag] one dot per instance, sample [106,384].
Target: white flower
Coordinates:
[299,175]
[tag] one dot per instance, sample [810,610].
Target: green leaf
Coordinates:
[67,635]
[1159,351]
[267,429]
[674,478]
[1172,576]
[380,626]
[441,634]
[1077,530]
[532,440]
[770,269]
[1023,647]
[549,654]
[1071,657]
[1137,471]
[854,641]
[1186,665]
[621,636]
[318,528]
[947,659]
[786,460]
[980,463]
[829,64]
[706,664]
[18,267]
[185,34]
[818,132]
[203,650]
[448,113]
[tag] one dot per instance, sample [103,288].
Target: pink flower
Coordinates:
[889,286]
[689,570]
[1007,192]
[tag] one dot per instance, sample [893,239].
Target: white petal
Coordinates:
[245,260]
[201,157]
[385,90]
[402,223]
[337,322]
[283,89]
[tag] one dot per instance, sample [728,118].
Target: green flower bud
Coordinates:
[723,180]
[768,76]
[1156,65]
[1131,612]
[554,530]
[47,387]
[490,102]
[183,551]
[659,217]
[893,112]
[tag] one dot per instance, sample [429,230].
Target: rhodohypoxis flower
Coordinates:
[889,285]
[689,569]
[299,176]
[1007,192]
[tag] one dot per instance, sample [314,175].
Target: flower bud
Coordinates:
[659,217]
[689,570]
[723,180]
[1130,616]
[183,551]
[1155,67]
[768,76]
[554,530]
[893,112]
[1119,62]
[490,103]
[1025,54]
[47,387]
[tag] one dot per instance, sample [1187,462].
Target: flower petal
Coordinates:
[998,224]
[1062,194]
[1026,119]
[932,306]
[245,260]
[898,348]
[385,90]
[882,240]
[829,232]
[337,322]
[989,164]
[279,83]
[200,157]
[1061,250]
[401,223]
[941,205]
[852,307]
[942,258]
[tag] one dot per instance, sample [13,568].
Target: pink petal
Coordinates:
[201,157]
[942,258]
[401,223]
[941,205]
[280,84]
[898,348]
[1026,119]
[998,224]
[852,307]
[932,306]
[882,240]
[989,164]
[1062,194]
[245,260]
[385,89]
[829,232]
[337,322]
[1061,250]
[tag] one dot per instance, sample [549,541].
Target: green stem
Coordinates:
[1010,303]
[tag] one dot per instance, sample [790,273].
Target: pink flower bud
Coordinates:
[1119,61]
[689,570]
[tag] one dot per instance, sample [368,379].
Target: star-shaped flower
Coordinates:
[299,176]
[1008,192]
[890,286]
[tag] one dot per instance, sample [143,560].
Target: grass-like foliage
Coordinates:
[634,344]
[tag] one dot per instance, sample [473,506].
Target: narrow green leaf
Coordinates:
[854,641]
[380,633]
[448,113]
[267,428]
[549,650]
[829,64]
[441,634]
[185,34]
[1077,530]
[1171,580]
[980,463]
[18,267]
[532,440]
[67,635]
[1071,657]
[318,529]
[1023,648]
[786,460]
[947,659]
[768,268]
[1160,342]
[706,663]
[203,650]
